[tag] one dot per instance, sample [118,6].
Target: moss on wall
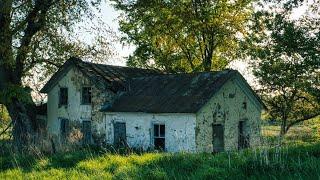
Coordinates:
[227,108]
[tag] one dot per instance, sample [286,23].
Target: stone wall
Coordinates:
[227,108]
[76,112]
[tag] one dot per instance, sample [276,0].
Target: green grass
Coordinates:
[297,158]
[299,162]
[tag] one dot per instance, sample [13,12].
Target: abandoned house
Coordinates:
[140,108]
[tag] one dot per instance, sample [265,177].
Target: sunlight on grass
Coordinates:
[297,158]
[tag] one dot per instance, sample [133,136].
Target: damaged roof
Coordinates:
[103,76]
[171,93]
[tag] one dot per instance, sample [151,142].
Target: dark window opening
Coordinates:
[243,138]
[86,95]
[244,105]
[159,136]
[63,96]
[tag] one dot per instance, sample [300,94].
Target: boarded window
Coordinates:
[218,138]
[243,141]
[64,127]
[159,132]
[63,96]
[86,95]
[86,131]
[120,137]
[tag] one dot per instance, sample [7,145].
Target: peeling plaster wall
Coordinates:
[226,108]
[179,136]
[75,111]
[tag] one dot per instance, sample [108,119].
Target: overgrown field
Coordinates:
[298,158]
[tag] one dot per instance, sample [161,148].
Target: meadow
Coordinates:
[298,157]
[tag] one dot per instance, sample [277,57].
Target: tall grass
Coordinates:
[297,158]
[299,162]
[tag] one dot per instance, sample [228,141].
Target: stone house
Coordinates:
[140,108]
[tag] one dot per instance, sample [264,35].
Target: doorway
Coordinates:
[120,137]
[218,138]
[86,131]
[243,141]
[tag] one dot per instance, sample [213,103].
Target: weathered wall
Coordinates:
[75,111]
[179,136]
[226,108]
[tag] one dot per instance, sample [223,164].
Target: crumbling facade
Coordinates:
[99,104]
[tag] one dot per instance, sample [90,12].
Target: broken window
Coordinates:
[159,136]
[86,95]
[63,96]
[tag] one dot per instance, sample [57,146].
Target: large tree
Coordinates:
[183,35]
[34,36]
[285,52]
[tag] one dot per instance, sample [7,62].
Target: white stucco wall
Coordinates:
[74,111]
[179,129]
[226,108]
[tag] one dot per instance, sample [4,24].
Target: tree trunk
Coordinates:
[283,129]
[207,64]
[23,117]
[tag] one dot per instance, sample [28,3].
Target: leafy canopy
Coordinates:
[183,35]
[285,55]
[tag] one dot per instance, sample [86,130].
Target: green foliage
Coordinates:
[285,58]
[185,35]
[15,91]
[4,115]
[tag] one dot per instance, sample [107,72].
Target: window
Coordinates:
[63,96]
[244,105]
[159,136]
[86,95]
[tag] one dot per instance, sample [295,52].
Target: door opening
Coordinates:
[243,141]
[86,131]
[218,138]
[120,137]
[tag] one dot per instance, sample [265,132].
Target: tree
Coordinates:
[188,35]
[33,36]
[285,57]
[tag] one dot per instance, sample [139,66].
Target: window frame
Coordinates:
[159,136]
[88,94]
[62,102]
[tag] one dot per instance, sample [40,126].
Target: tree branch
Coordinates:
[5,130]
[301,120]
[35,21]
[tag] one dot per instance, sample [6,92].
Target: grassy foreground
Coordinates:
[298,158]
[300,162]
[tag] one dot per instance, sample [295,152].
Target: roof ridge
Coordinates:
[183,73]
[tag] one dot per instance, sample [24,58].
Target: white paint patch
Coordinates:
[179,130]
